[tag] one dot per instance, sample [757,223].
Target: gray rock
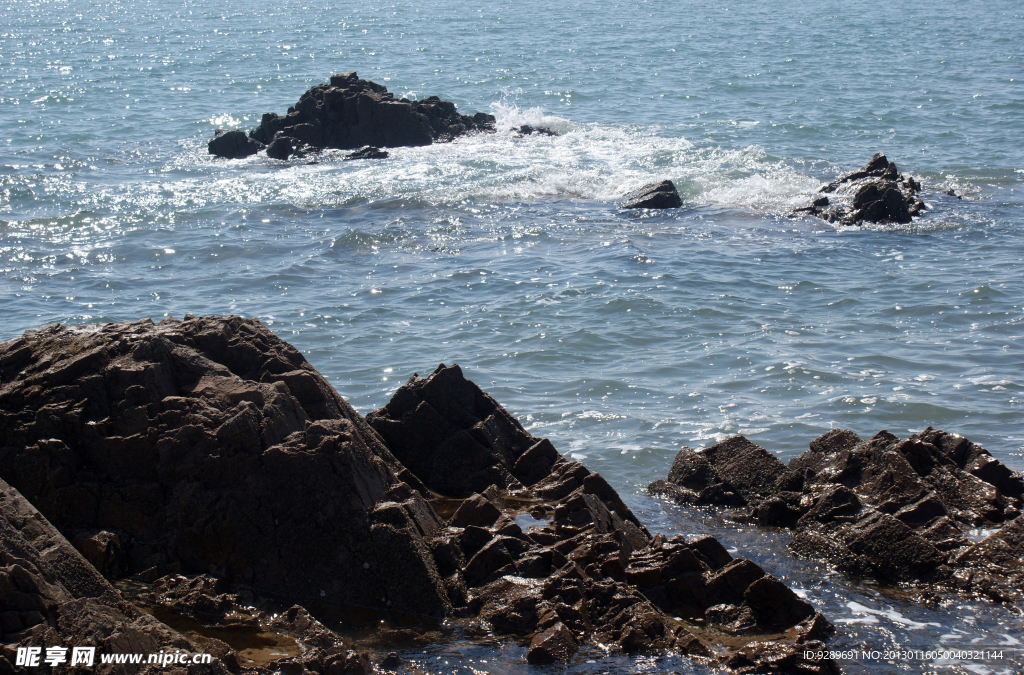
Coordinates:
[661,195]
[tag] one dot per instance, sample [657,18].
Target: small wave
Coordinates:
[510,116]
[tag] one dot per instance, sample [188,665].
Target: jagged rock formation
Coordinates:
[209,446]
[51,596]
[308,645]
[585,569]
[875,193]
[661,195]
[896,510]
[348,113]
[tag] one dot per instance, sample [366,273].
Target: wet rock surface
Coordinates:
[300,643]
[900,511]
[661,195]
[348,113]
[875,193]
[208,457]
[368,152]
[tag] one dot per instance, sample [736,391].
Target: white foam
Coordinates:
[586,161]
[889,613]
[510,117]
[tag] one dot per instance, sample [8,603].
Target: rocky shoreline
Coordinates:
[198,479]
[207,457]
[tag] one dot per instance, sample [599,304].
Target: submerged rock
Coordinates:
[661,195]
[369,152]
[348,113]
[527,130]
[875,193]
[895,510]
[210,448]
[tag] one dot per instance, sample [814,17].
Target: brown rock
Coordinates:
[554,645]
[775,605]
[891,509]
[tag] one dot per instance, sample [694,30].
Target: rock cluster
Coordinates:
[875,193]
[661,195]
[348,113]
[210,448]
[896,510]
[584,569]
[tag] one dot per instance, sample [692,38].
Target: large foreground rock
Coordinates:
[348,113]
[209,453]
[211,446]
[896,510]
[875,193]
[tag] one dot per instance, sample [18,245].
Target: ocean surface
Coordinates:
[622,336]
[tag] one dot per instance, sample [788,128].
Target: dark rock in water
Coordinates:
[233,144]
[391,663]
[214,447]
[527,130]
[280,148]
[661,195]
[348,113]
[210,447]
[897,510]
[51,596]
[875,193]
[369,152]
[283,147]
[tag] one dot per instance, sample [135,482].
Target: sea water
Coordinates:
[620,335]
